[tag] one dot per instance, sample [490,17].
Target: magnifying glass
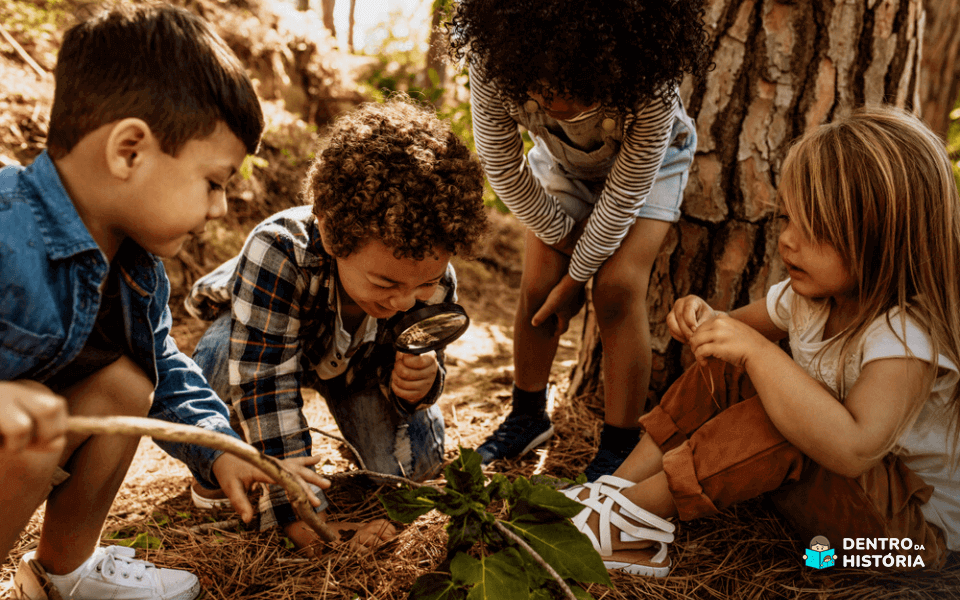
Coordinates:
[426,327]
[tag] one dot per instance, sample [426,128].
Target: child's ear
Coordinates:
[127,141]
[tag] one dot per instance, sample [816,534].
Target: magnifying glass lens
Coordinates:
[433,332]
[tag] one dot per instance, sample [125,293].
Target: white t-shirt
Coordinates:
[924,448]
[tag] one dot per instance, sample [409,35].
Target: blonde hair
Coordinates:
[878,187]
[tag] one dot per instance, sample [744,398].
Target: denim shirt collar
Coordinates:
[64,233]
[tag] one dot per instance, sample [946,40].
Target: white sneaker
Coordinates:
[111,572]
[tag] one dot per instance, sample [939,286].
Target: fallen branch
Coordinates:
[292,483]
[23,53]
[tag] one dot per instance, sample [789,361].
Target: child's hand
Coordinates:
[236,476]
[565,301]
[687,315]
[363,537]
[728,339]
[413,375]
[33,418]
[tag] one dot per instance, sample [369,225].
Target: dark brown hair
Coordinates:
[154,62]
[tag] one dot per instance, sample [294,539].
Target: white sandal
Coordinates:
[635,525]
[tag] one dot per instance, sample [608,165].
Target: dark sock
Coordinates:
[619,440]
[529,403]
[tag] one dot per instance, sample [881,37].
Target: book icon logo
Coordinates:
[820,555]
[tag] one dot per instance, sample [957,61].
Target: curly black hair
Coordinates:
[620,53]
[396,173]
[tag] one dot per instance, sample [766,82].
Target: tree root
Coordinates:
[292,483]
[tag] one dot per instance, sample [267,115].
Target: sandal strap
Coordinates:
[635,524]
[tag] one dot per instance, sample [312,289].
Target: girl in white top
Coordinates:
[595,84]
[856,429]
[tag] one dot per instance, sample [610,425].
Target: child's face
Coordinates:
[383,285]
[561,107]
[177,195]
[816,270]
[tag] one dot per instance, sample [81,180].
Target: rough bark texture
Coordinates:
[940,63]
[781,67]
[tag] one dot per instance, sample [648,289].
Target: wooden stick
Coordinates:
[292,483]
[23,53]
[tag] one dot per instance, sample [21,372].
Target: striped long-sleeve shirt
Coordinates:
[646,136]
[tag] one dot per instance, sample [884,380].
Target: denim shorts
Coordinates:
[577,198]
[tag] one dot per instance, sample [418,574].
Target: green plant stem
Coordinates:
[519,541]
[292,483]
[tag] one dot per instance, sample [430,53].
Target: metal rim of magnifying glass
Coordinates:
[426,312]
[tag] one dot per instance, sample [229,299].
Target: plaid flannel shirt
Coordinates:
[281,290]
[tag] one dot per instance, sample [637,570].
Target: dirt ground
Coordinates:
[744,552]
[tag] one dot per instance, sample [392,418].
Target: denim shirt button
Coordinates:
[333,363]
[608,124]
[531,106]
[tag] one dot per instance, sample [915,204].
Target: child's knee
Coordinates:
[615,297]
[120,388]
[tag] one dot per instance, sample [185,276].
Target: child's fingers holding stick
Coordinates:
[237,476]
[34,417]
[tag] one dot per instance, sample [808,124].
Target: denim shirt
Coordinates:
[51,274]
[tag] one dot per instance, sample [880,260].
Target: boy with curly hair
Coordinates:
[138,156]
[394,195]
[596,85]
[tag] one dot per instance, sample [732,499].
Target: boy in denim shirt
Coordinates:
[152,114]
[393,195]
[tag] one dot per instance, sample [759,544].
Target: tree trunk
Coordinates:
[435,70]
[326,7]
[351,23]
[940,63]
[303,5]
[781,67]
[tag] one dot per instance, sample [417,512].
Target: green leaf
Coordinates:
[467,529]
[496,577]
[564,548]
[436,586]
[161,519]
[547,498]
[499,487]
[464,474]
[405,505]
[142,540]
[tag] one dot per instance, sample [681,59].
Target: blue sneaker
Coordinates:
[517,435]
[605,463]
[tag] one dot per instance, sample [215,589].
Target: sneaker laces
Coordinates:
[111,560]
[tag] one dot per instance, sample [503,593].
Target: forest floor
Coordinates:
[744,552]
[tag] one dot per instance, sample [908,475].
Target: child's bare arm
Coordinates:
[845,438]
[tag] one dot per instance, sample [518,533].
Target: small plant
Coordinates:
[489,557]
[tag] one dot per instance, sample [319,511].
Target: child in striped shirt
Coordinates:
[596,86]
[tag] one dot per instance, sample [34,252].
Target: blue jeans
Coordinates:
[387,442]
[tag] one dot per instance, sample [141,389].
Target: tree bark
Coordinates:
[940,63]
[781,67]
[351,23]
[326,7]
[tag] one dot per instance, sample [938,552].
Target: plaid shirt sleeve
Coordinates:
[265,358]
